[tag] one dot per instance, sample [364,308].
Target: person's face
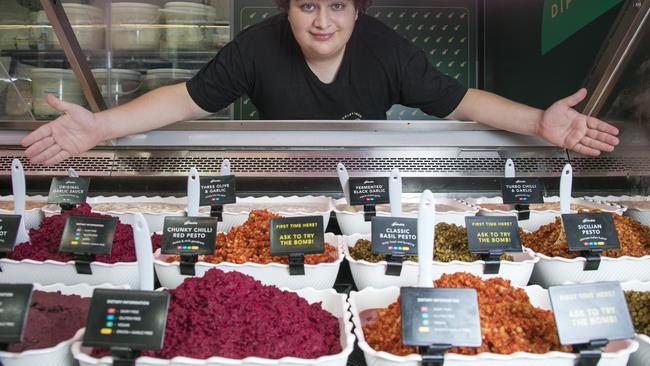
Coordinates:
[322,27]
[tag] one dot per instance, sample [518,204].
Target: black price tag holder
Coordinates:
[60,192]
[14,307]
[296,236]
[217,191]
[420,305]
[85,237]
[521,192]
[102,325]
[590,234]
[368,192]
[394,237]
[576,307]
[9,226]
[491,236]
[189,237]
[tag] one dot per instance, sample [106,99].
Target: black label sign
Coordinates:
[368,191]
[68,190]
[590,311]
[86,234]
[492,234]
[189,235]
[14,306]
[394,235]
[521,191]
[590,231]
[297,235]
[127,318]
[440,316]
[8,232]
[218,190]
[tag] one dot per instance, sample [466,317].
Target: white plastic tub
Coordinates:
[367,274]
[155,78]
[552,271]
[330,301]
[58,355]
[33,209]
[539,215]
[125,85]
[187,25]
[642,356]
[351,220]
[87,24]
[154,209]
[318,276]
[293,206]
[61,83]
[637,207]
[50,271]
[616,353]
[134,26]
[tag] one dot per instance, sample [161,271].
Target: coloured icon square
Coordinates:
[106,331]
[111,311]
[424,309]
[425,316]
[425,322]
[110,317]
[109,324]
[423,329]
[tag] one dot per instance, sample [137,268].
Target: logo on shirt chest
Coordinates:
[352,116]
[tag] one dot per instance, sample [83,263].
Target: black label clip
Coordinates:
[66,207]
[82,262]
[124,356]
[188,262]
[216,211]
[394,264]
[369,211]
[523,212]
[590,353]
[296,264]
[593,259]
[492,262]
[434,355]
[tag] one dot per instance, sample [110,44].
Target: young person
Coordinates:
[318,59]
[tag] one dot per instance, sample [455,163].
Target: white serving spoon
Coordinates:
[193,191]
[18,185]
[343,179]
[143,251]
[566,181]
[395,193]
[509,169]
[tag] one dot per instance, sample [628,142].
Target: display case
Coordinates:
[129,47]
[140,49]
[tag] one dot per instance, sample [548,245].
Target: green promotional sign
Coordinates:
[562,18]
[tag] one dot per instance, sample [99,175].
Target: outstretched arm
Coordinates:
[560,124]
[79,130]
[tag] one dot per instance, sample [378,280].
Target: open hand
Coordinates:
[74,132]
[563,126]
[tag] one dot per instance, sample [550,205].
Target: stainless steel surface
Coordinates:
[623,38]
[433,162]
[74,54]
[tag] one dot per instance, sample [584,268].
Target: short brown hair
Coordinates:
[360,5]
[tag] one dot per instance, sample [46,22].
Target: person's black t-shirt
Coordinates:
[379,69]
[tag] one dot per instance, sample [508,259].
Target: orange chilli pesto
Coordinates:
[250,242]
[509,322]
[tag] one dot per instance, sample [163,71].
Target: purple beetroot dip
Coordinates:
[52,319]
[233,315]
[46,239]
